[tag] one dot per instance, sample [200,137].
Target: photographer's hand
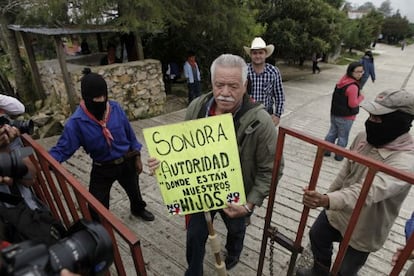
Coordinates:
[8,134]
[6,180]
[66,272]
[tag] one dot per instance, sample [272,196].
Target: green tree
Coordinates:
[299,28]
[359,33]
[161,28]
[337,4]
[8,10]
[395,28]
[385,8]
[366,7]
[209,28]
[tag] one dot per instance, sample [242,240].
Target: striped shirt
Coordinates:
[267,88]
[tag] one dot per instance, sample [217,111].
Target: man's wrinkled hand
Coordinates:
[235,211]
[153,164]
[276,120]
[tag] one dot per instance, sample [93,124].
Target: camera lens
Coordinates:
[12,165]
[5,164]
[85,251]
[24,126]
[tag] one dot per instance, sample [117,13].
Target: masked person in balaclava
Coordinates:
[93,86]
[387,140]
[102,128]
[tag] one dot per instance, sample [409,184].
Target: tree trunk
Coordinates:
[22,89]
[140,48]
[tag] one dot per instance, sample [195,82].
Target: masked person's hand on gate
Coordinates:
[313,199]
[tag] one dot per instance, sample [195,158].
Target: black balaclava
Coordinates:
[93,85]
[393,125]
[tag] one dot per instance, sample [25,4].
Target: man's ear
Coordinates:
[245,85]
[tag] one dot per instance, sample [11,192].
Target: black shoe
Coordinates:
[327,153]
[339,158]
[305,272]
[314,271]
[231,262]
[144,214]
[310,272]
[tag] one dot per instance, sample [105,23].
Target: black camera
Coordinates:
[12,165]
[24,126]
[87,251]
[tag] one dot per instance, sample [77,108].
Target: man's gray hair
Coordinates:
[229,61]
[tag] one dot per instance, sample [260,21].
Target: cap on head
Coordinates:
[390,101]
[92,85]
[258,44]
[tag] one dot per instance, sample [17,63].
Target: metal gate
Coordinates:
[69,200]
[295,246]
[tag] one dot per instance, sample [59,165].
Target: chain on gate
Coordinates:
[271,249]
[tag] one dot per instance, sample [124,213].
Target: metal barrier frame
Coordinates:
[295,247]
[69,200]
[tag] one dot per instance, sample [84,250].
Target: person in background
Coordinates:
[110,57]
[386,139]
[369,69]
[193,76]
[85,47]
[315,60]
[102,128]
[265,80]
[403,44]
[344,107]
[256,148]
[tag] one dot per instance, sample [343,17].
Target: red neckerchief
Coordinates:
[212,110]
[105,131]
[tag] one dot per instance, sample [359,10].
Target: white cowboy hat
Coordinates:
[259,43]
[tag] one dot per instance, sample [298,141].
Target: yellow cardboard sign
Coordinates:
[199,164]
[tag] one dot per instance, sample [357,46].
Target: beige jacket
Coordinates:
[384,199]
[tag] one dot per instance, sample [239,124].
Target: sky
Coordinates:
[406,7]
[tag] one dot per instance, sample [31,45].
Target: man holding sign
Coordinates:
[256,139]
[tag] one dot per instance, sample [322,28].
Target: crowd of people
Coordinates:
[252,92]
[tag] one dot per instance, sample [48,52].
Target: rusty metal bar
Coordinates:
[409,247]
[353,220]
[272,195]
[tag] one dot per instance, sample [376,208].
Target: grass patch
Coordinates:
[348,57]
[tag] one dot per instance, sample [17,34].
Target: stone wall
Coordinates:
[138,86]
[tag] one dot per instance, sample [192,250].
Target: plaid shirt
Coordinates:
[267,88]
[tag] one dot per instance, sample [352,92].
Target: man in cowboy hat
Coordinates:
[265,80]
